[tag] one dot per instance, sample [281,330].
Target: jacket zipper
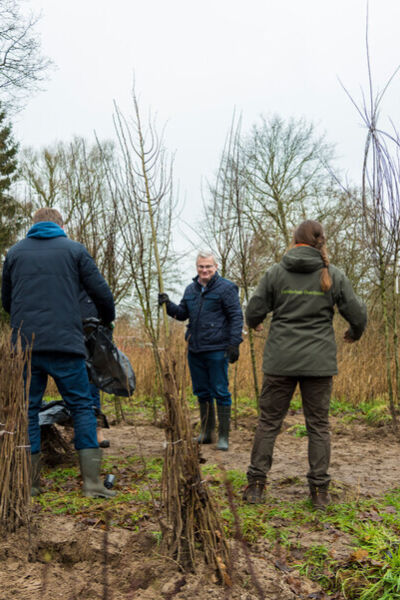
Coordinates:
[198,314]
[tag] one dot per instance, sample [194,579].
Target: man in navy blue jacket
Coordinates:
[43,276]
[214,332]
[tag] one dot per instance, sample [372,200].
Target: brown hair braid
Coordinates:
[312,233]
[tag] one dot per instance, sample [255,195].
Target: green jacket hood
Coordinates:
[302,259]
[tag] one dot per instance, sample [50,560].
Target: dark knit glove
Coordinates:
[232,353]
[163,298]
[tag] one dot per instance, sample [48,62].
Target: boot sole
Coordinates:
[99,495]
[258,501]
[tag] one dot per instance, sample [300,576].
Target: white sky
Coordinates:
[195,62]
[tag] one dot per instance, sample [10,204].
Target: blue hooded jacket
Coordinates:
[214,313]
[43,276]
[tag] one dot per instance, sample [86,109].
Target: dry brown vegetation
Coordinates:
[361,365]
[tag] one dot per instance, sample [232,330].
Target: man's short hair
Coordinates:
[206,254]
[48,214]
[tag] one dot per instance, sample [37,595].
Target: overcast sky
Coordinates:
[195,62]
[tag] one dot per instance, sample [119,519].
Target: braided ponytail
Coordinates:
[312,234]
[326,281]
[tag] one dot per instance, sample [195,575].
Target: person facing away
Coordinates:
[301,292]
[43,275]
[214,333]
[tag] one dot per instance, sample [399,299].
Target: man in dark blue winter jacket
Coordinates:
[214,332]
[43,276]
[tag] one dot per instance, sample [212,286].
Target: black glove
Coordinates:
[232,353]
[163,298]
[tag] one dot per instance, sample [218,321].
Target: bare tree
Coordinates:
[73,178]
[22,65]
[381,219]
[286,177]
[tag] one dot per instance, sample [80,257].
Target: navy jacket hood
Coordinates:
[46,230]
[43,276]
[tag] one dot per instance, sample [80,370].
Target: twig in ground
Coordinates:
[239,535]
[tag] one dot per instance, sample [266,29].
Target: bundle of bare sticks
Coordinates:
[14,444]
[193,519]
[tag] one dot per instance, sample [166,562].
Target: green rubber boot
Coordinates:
[224,419]
[90,463]
[35,471]
[207,420]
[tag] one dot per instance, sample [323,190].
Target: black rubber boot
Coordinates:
[35,470]
[207,420]
[224,420]
[320,497]
[90,463]
[254,492]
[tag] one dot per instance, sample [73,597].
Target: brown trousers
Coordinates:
[276,394]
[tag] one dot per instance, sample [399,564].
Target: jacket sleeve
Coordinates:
[6,287]
[96,287]
[261,302]
[351,308]
[234,315]
[178,311]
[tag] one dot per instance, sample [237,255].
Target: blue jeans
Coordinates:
[70,374]
[95,394]
[209,372]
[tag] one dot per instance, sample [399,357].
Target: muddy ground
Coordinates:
[365,463]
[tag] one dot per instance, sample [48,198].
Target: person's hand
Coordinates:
[232,353]
[259,327]
[348,338]
[163,298]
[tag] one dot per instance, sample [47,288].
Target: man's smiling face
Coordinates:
[206,269]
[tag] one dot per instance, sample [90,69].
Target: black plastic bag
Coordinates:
[108,368]
[54,412]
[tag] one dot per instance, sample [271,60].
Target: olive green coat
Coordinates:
[301,340]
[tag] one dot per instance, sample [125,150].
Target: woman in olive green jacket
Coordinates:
[301,292]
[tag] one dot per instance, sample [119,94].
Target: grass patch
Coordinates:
[298,430]
[373,412]
[135,501]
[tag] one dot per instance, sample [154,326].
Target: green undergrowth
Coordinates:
[138,486]
[374,412]
[352,548]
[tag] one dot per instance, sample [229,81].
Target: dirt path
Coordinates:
[365,461]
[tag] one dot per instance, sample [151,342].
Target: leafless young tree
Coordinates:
[143,200]
[381,219]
